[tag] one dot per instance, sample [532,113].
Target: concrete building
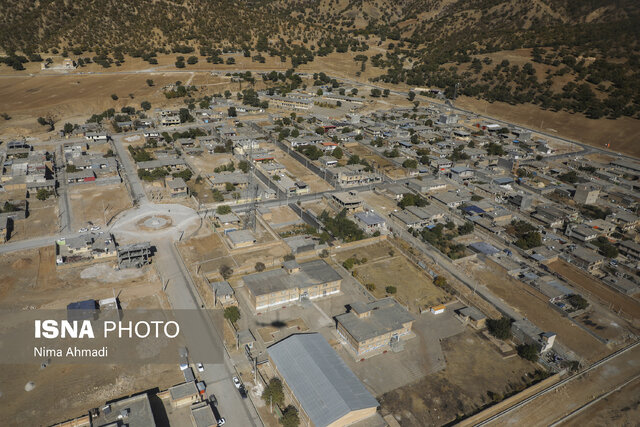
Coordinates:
[630,249]
[348,200]
[177,187]
[223,294]
[293,282]
[132,411]
[586,259]
[202,415]
[184,394]
[586,194]
[370,221]
[327,392]
[135,255]
[374,326]
[472,316]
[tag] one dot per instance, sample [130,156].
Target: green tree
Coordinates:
[231,112]
[68,128]
[273,392]
[337,153]
[223,210]
[528,351]
[260,266]
[290,417]
[410,164]
[232,314]
[226,271]
[114,96]
[391,290]
[146,105]
[375,93]
[42,194]
[500,328]
[149,82]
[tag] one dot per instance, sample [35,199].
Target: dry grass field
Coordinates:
[42,220]
[534,306]
[97,204]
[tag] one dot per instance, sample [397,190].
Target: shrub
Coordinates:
[391,289]
[500,328]
[528,351]
[260,266]
[232,314]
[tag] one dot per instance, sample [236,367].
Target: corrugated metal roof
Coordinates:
[321,381]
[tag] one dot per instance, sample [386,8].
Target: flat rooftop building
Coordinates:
[133,412]
[374,326]
[327,392]
[293,282]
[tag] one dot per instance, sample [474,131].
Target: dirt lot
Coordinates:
[414,288]
[576,393]
[473,369]
[534,306]
[382,204]
[42,220]
[575,126]
[378,162]
[582,280]
[315,183]
[31,279]
[97,203]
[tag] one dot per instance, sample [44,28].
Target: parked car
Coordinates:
[243,392]
[83,230]
[183,366]
[221,421]
[200,367]
[95,228]
[236,382]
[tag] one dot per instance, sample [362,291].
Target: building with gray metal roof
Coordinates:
[326,390]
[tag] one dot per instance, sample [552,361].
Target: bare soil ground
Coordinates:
[534,306]
[315,183]
[97,203]
[382,204]
[597,133]
[30,279]
[42,220]
[473,369]
[378,162]
[575,394]
[415,289]
[618,301]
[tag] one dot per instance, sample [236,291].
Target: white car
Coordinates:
[95,228]
[184,366]
[236,382]
[200,367]
[83,230]
[221,421]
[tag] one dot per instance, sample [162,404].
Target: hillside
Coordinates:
[576,56]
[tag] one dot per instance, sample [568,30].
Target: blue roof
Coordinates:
[473,209]
[83,305]
[484,247]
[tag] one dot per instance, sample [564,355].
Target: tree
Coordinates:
[578,301]
[68,128]
[149,82]
[42,194]
[337,153]
[260,266]
[146,105]
[320,130]
[226,271]
[192,60]
[290,417]
[500,328]
[231,112]
[232,314]
[227,94]
[114,96]
[412,95]
[375,93]
[391,289]
[273,392]
[410,164]
[243,165]
[528,351]
[223,210]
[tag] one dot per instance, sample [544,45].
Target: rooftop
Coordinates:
[385,316]
[320,380]
[310,273]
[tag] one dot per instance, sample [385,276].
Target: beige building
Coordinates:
[291,283]
[374,326]
[586,194]
[348,200]
[322,387]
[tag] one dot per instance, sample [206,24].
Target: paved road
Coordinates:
[130,171]
[66,221]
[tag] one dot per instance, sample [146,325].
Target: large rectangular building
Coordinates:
[374,326]
[293,282]
[325,390]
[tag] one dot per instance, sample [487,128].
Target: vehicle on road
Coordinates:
[243,392]
[83,230]
[236,382]
[200,367]
[221,421]
[183,366]
[95,228]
